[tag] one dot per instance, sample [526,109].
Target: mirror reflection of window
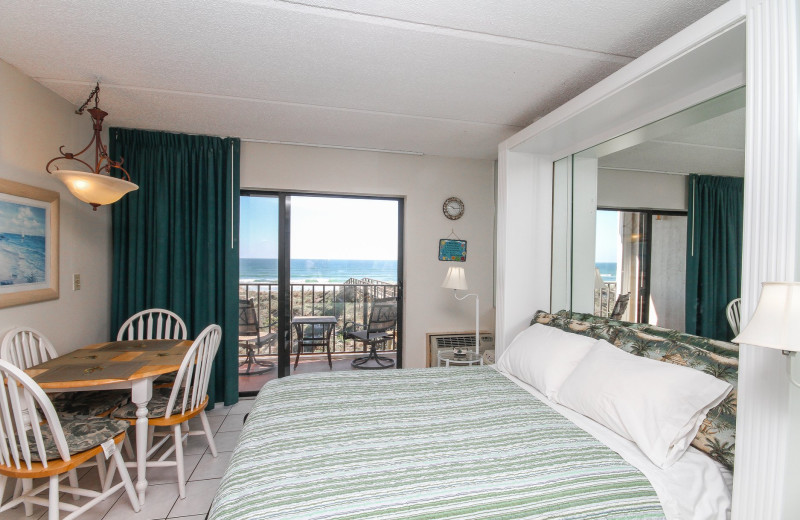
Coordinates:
[627,206]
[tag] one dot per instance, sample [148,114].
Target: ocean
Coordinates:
[265,270]
[608,271]
[22,259]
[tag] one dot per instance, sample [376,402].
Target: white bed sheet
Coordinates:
[694,488]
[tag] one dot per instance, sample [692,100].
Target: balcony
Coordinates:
[349,302]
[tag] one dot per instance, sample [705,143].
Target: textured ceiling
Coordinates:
[451,77]
[713,147]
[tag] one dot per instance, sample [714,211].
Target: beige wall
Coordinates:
[34,122]
[424,182]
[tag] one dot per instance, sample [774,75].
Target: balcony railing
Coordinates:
[604,299]
[349,302]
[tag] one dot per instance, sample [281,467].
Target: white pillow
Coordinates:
[544,357]
[657,405]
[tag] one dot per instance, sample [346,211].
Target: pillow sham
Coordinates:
[544,357]
[659,406]
[585,328]
[717,435]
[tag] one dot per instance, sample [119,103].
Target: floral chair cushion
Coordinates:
[82,433]
[89,404]
[156,408]
[585,328]
[717,435]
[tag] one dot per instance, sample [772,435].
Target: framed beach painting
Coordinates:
[28,244]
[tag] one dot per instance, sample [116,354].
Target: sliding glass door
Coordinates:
[311,269]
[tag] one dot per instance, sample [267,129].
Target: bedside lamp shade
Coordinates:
[776,322]
[455,279]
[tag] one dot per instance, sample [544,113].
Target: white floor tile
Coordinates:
[199,495]
[193,517]
[226,441]
[242,407]
[196,445]
[158,502]
[214,422]
[169,475]
[219,409]
[232,423]
[18,513]
[210,467]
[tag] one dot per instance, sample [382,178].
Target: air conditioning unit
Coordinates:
[443,341]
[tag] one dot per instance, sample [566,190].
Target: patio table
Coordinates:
[328,324]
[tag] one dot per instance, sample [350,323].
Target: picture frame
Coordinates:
[29,244]
[452,250]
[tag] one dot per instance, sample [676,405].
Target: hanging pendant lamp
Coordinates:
[97,186]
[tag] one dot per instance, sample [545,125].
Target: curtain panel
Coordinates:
[713,253]
[176,239]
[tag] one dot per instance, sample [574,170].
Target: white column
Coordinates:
[524,230]
[764,483]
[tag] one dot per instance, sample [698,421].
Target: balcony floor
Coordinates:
[308,363]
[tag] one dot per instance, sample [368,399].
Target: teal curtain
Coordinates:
[713,253]
[176,239]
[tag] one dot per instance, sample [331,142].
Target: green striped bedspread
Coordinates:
[420,444]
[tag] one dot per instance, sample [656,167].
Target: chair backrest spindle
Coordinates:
[24,347]
[20,401]
[195,371]
[152,324]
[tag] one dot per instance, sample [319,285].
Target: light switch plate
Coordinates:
[76,282]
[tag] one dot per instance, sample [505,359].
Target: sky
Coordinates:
[607,236]
[22,219]
[335,228]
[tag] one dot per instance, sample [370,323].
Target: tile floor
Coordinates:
[203,477]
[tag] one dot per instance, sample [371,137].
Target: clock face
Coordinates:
[453,208]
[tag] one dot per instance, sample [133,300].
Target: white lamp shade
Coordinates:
[776,322]
[94,188]
[455,279]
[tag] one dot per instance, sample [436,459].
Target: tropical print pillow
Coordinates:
[595,330]
[717,434]
[711,345]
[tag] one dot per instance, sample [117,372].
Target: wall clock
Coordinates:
[453,208]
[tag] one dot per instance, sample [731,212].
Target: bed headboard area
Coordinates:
[720,359]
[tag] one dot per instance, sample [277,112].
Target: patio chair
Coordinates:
[620,306]
[35,443]
[252,339]
[734,314]
[379,329]
[187,399]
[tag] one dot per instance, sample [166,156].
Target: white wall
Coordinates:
[424,182]
[34,122]
[637,190]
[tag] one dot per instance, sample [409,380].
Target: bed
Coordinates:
[468,443]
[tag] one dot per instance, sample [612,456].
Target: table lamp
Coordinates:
[776,322]
[456,279]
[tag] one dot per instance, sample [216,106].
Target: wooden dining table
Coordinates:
[132,365]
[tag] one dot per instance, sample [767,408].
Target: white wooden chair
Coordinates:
[152,324]
[25,347]
[35,443]
[734,313]
[186,399]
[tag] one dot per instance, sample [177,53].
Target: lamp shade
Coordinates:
[776,322]
[455,279]
[94,188]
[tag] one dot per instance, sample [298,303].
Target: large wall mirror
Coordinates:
[637,216]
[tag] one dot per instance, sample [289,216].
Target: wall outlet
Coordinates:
[76,282]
